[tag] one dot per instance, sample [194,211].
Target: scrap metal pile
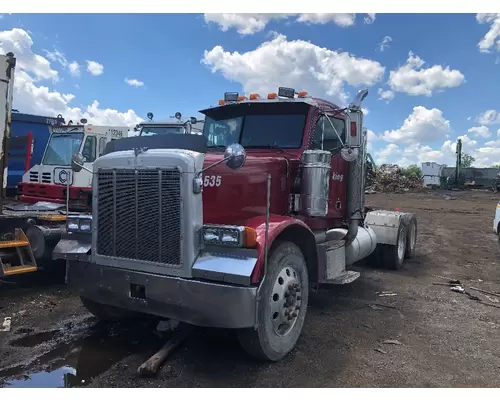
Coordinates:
[390,178]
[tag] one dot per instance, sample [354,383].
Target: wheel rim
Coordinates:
[413,236]
[286,301]
[401,246]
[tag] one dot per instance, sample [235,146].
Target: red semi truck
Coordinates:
[233,228]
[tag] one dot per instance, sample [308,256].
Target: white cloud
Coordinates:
[417,153]
[490,117]
[386,95]
[370,18]
[95,68]
[74,68]
[57,56]
[371,137]
[134,82]
[298,64]
[385,43]
[248,24]
[35,66]
[343,20]
[490,41]
[421,125]
[480,131]
[32,96]
[415,80]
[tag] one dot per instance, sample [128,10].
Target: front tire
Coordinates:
[282,307]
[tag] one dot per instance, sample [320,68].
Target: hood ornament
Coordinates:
[139,150]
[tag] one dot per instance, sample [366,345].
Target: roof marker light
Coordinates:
[254,96]
[272,96]
[242,98]
[302,94]
[221,102]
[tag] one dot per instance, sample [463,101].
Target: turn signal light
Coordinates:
[254,96]
[353,128]
[250,240]
[272,96]
[302,94]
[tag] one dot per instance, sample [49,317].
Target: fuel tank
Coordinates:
[230,197]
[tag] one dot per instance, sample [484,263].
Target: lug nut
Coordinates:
[294,314]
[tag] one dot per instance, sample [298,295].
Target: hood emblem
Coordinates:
[139,150]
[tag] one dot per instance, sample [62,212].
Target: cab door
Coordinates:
[326,137]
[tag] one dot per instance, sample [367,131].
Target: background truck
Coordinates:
[233,228]
[151,127]
[28,138]
[32,226]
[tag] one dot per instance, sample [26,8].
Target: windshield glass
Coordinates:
[161,130]
[61,147]
[256,130]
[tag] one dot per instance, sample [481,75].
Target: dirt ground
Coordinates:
[444,338]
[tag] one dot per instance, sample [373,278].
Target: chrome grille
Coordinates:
[139,215]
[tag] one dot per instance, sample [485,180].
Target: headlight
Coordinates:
[81,224]
[227,235]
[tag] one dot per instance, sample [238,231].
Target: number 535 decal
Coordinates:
[212,180]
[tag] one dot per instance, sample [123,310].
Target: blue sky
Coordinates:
[173,56]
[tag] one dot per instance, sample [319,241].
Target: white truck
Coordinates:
[31,227]
[48,181]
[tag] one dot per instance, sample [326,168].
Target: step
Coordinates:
[6,244]
[21,269]
[345,278]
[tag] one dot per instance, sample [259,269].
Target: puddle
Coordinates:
[35,339]
[60,378]
[76,363]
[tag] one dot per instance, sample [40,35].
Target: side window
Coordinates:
[89,149]
[102,145]
[317,140]
[325,137]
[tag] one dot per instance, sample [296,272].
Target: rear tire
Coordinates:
[411,236]
[282,307]
[105,312]
[394,256]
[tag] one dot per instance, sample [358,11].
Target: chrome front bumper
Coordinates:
[187,300]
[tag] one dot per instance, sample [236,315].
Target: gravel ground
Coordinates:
[443,338]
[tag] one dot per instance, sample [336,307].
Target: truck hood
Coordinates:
[231,197]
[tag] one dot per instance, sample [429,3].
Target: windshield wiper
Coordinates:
[267,146]
[217,147]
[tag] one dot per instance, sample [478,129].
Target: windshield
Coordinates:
[61,147]
[161,130]
[256,130]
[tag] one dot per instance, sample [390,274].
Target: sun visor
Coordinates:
[196,143]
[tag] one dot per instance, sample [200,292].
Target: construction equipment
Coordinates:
[232,229]
[458,162]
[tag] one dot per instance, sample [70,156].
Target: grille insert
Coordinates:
[139,215]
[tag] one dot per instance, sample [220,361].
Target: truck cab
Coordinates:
[48,180]
[176,127]
[234,227]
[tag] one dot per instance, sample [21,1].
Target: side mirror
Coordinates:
[235,156]
[77,161]
[193,120]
